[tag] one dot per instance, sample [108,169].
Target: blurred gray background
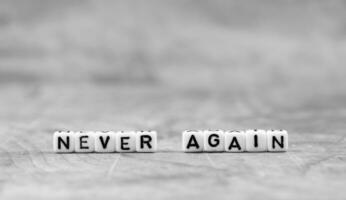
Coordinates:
[170,66]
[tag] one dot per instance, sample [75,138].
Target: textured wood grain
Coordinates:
[170,66]
[314,166]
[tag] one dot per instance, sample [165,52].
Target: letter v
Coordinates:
[104,143]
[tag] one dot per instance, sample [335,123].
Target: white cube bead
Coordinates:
[146,141]
[84,142]
[63,142]
[235,141]
[256,140]
[277,140]
[193,141]
[214,141]
[105,141]
[125,141]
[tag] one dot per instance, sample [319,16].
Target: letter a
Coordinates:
[192,142]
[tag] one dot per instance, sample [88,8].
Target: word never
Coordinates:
[104,142]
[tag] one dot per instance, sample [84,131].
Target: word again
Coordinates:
[104,142]
[235,141]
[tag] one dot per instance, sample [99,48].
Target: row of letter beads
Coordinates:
[235,141]
[107,141]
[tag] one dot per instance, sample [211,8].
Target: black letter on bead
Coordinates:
[192,142]
[256,140]
[124,143]
[217,140]
[147,141]
[234,144]
[281,143]
[104,143]
[81,141]
[66,144]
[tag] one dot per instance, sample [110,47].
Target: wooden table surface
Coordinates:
[170,66]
